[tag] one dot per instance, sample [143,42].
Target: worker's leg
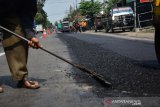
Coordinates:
[16,49]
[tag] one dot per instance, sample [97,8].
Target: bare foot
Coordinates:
[28,84]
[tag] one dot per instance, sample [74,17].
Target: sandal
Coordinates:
[28,84]
[1,89]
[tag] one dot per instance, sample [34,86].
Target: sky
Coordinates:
[56,9]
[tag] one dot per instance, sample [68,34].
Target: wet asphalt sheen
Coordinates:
[129,65]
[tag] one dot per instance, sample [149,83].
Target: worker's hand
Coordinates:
[34,43]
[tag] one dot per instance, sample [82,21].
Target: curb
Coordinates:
[126,35]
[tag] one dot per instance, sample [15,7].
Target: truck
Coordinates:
[65,25]
[39,28]
[156,22]
[98,23]
[121,18]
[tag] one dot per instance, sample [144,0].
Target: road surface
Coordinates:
[129,64]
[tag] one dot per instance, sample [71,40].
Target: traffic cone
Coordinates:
[44,33]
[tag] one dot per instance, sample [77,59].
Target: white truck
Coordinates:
[39,28]
[120,18]
[65,26]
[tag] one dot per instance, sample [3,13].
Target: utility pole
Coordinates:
[76,11]
[135,16]
[76,4]
[104,2]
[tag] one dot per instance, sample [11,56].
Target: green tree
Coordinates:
[111,4]
[41,16]
[72,14]
[56,23]
[89,8]
[48,24]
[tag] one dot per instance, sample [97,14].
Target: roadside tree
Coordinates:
[110,4]
[89,8]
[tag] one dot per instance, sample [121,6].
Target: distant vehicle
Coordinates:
[39,28]
[65,26]
[59,26]
[120,18]
[98,24]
